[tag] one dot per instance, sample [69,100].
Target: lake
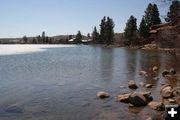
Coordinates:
[60,83]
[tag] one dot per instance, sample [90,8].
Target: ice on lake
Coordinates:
[24,49]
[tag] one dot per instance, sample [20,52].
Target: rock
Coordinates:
[165,72]
[14,109]
[143,73]
[148,85]
[138,99]
[132,84]
[175,93]
[150,46]
[103,95]
[155,68]
[124,97]
[159,106]
[141,84]
[156,78]
[149,118]
[171,100]
[147,95]
[167,91]
[172,71]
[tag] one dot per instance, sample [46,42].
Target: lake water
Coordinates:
[60,83]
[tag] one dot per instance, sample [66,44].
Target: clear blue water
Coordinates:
[61,83]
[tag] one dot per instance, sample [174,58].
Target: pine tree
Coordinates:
[143,28]
[102,30]
[39,39]
[25,39]
[88,35]
[106,31]
[43,37]
[155,15]
[95,36]
[78,37]
[174,11]
[34,41]
[131,31]
[152,15]
[70,37]
[109,31]
[148,15]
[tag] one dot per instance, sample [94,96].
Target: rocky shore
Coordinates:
[169,95]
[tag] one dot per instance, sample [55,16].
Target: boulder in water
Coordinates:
[132,84]
[148,85]
[139,99]
[167,91]
[159,106]
[165,72]
[124,97]
[103,94]
[155,68]
[172,71]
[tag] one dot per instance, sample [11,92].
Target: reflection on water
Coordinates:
[61,83]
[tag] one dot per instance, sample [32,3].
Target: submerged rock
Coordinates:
[132,84]
[155,68]
[156,78]
[148,85]
[167,91]
[103,94]
[165,72]
[142,84]
[14,109]
[172,71]
[159,106]
[143,73]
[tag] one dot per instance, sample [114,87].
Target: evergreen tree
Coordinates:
[95,36]
[47,40]
[155,15]
[152,15]
[148,15]
[88,35]
[34,41]
[131,31]
[25,39]
[78,37]
[174,11]
[102,30]
[70,37]
[106,31]
[43,37]
[109,31]
[39,39]
[143,28]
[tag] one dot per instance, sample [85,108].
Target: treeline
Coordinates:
[43,39]
[133,34]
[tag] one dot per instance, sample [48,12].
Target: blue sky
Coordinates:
[62,17]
